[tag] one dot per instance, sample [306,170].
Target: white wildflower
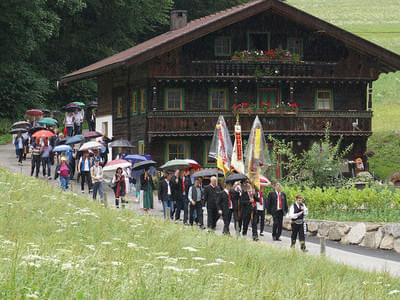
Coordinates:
[171,260]
[33,296]
[32,264]
[392,292]
[66,266]
[220,260]
[106,243]
[191,249]
[198,258]
[132,245]
[173,268]
[91,247]
[60,230]
[308,284]
[116,263]
[192,271]
[116,239]
[212,264]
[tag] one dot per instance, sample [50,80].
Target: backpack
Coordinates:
[64,171]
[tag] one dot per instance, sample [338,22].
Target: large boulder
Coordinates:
[396,245]
[356,234]
[312,227]
[393,229]
[373,239]
[338,231]
[387,242]
[373,227]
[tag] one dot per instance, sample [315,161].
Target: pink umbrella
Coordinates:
[115,164]
[264,181]
[92,134]
[193,164]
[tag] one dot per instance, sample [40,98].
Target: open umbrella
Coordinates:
[16,130]
[79,103]
[62,148]
[35,129]
[43,134]
[75,139]
[20,124]
[264,181]
[207,173]
[144,164]
[92,134]
[175,164]
[34,112]
[90,145]
[72,107]
[236,177]
[115,164]
[135,157]
[120,144]
[48,121]
[93,104]
[193,164]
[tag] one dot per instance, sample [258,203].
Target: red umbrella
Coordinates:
[43,134]
[34,112]
[92,134]
[193,164]
[264,181]
[115,164]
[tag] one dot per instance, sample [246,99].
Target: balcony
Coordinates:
[305,123]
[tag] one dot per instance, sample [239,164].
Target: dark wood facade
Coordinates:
[136,93]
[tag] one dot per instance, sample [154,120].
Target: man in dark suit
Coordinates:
[165,194]
[178,191]
[246,202]
[210,199]
[225,206]
[277,207]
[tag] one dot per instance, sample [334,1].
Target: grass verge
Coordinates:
[56,245]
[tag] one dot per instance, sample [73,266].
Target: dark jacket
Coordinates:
[177,189]
[211,196]
[272,203]
[223,201]
[163,189]
[144,182]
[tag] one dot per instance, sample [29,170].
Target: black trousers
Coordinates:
[212,217]
[46,165]
[260,218]
[180,205]
[246,215]
[35,165]
[277,227]
[85,176]
[198,208]
[227,217]
[20,153]
[298,229]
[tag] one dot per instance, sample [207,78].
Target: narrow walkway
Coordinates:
[355,256]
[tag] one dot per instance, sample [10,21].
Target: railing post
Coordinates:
[322,243]
[370,96]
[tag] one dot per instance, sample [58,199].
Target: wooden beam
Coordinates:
[370,96]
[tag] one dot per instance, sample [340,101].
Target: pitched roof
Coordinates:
[198,28]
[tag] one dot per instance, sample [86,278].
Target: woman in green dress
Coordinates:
[147,186]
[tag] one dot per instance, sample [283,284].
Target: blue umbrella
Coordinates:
[135,157]
[74,140]
[62,148]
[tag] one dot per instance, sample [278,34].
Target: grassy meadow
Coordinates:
[56,245]
[378,22]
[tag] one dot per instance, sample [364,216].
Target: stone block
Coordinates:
[356,234]
[373,239]
[323,229]
[337,231]
[373,227]
[393,229]
[287,224]
[396,245]
[312,227]
[387,242]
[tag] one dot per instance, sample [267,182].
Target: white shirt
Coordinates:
[259,205]
[169,187]
[69,121]
[86,166]
[291,213]
[277,200]
[97,171]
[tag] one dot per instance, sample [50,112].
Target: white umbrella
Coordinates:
[115,164]
[90,145]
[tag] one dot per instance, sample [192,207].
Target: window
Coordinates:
[208,161]
[134,103]
[141,147]
[222,46]
[104,128]
[174,99]
[143,101]
[323,99]
[257,41]
[119,107]
[295,45]
[217,99]
[269,95]
[179,150]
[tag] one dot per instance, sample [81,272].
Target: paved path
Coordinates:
[355,256]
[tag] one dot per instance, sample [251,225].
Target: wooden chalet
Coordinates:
[166,94]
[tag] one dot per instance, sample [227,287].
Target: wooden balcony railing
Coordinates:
[258,69]
[192,123]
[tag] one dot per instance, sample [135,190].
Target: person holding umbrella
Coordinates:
[35,164]
[195,197]
[118,184]
[84,165]
[147,186]
[165,195]
[78,119]
[91,119]
[69,123]
[96,173]
[19,143]
[45,151]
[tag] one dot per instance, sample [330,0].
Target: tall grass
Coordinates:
[56,245]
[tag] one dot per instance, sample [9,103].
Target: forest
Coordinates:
[41,40]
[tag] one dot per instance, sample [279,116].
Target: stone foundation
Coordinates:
[372,235]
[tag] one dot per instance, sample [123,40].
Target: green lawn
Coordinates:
[56,245]
[379,22]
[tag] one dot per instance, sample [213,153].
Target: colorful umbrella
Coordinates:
[120,144]
[34,112]
[193,164]
[79,103]
[90,145]
[20,124]
[36,129]
[92,134]
[62,148]
[115,164]
[264,181]
[175,164]
[72,107]
[48,121]
[16,130]
[74,140]
[43,134]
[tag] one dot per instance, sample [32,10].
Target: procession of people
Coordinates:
[185,190]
